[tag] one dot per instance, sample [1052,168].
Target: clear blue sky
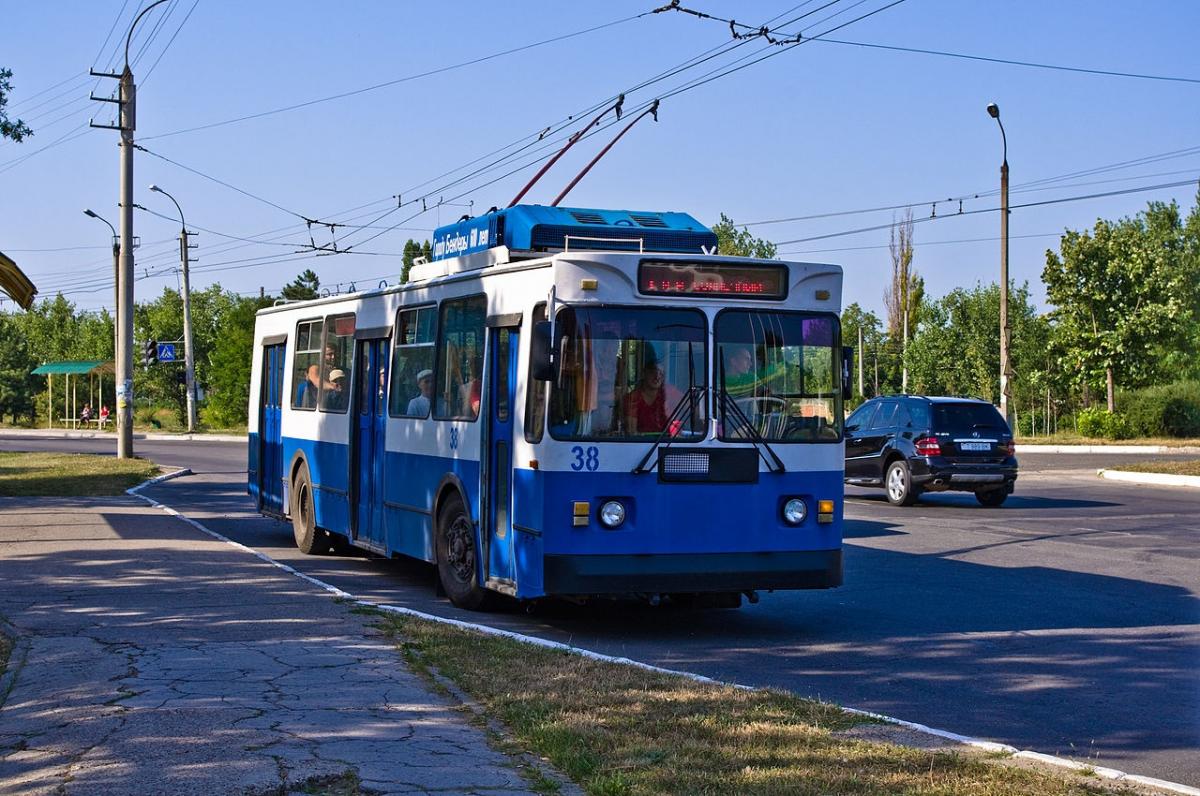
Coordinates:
[816,129]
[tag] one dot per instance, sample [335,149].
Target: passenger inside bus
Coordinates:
[335,395]
[306,393]
[419,405]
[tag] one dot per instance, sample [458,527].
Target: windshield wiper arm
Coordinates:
[726,403]
[683,409]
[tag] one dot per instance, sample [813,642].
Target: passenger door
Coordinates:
[502,372]
[860,418]
[876,438]
[270,437]
[367,447]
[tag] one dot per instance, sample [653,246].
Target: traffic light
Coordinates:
[149,352]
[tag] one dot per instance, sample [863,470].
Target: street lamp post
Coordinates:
[1005,367]
[189,360]
[116,252]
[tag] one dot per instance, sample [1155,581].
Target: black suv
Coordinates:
[909,444]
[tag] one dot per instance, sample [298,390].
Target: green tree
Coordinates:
[739,242]
[854,318]
[304,287]
[229,364]
[18,130]
[1123,295]
[903,296]
[412,250]
[17,386]
[956,350]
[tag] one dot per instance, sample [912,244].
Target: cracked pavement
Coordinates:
[153,659]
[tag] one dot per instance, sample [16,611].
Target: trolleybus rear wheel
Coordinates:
[457,556]
[309,539]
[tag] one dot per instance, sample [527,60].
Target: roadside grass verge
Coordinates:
[69,474]
[1073,438]
[1189,467]
[620,730]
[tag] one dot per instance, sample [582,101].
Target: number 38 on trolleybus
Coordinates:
[565,402]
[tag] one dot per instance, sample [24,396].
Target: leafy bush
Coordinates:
[1097,422]
[1169,410]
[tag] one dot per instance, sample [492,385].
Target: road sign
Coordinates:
[166,352]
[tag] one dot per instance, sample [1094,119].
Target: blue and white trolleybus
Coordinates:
[568,402]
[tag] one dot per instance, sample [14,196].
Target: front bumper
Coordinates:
[691,572]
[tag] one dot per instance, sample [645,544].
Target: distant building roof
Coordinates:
[14,282]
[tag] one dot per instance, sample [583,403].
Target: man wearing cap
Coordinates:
[335,395]
[419,405]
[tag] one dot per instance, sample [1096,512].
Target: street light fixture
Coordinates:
[189,360]
[1005,367]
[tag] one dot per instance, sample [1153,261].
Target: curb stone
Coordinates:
[1034,449]
[983,745]
[1151,479]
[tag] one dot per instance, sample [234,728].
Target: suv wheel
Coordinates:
[992,498]
[898,484]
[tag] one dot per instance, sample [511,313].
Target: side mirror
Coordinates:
[852,427]
[847,367]
[540,352]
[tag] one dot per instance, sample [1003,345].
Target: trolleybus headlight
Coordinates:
[794,511]
[612,514]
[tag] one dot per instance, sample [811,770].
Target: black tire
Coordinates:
[310,540]
[991,498]
[898,485]
[458,556]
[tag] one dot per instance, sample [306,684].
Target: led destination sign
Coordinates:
[661,278]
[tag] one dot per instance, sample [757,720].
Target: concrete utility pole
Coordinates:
[127,103]
[1005,367]
[189,357]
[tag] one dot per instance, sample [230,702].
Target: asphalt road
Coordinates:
[1067,621]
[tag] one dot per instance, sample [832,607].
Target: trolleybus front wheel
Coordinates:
[457,556]
[309,539]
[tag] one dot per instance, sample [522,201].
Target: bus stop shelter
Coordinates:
[95,370]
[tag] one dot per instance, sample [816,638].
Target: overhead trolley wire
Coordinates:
[1061,200]
[1013,62]
[396,81]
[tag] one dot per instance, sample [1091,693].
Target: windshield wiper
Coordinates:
[725,404]
[684,409]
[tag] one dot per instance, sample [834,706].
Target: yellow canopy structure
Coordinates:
[14,282]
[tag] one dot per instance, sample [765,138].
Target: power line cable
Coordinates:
[396,81]
[1044,202]
[1012,62]
[170,41]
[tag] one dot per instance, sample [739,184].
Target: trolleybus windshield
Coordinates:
[782,369]
[624,371]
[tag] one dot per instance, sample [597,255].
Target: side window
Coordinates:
[918,413]
[306,364]
[535,393]
[460,359]
[861,415]
[412,367]
[337,363]
[886,416]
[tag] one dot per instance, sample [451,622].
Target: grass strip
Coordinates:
[69,474]
[623,731]
[1072,438]
[1188,467]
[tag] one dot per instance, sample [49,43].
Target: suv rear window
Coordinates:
[966,416]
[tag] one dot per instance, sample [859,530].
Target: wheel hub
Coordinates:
[460,549]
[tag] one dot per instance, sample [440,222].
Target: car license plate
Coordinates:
[975,446]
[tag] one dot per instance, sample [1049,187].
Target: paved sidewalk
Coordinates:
[156,660]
